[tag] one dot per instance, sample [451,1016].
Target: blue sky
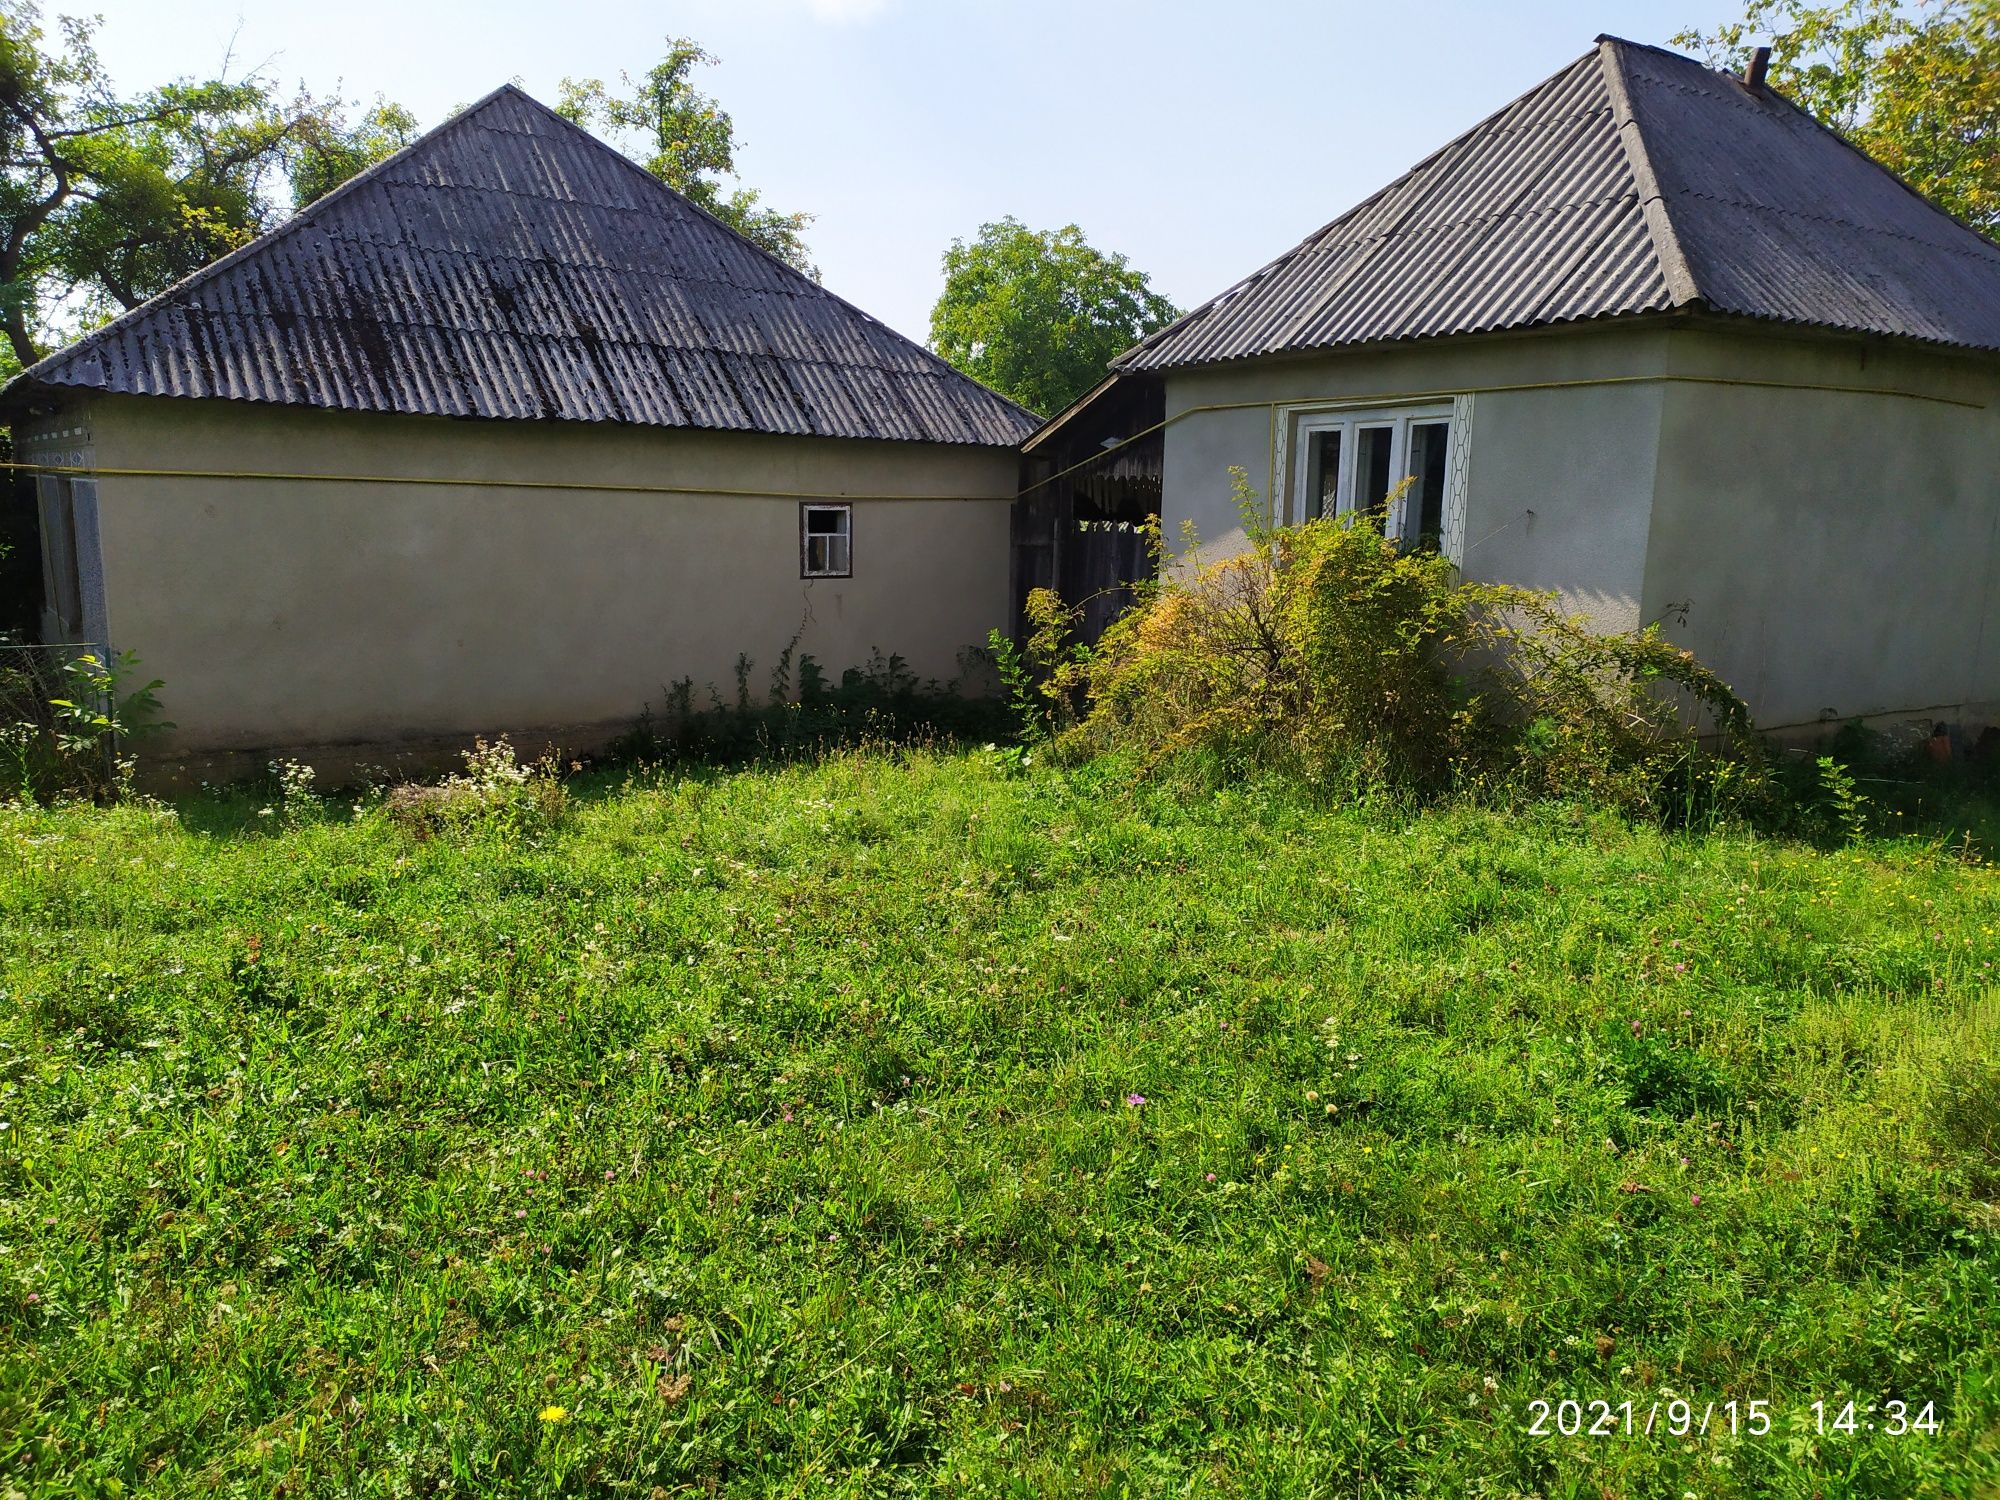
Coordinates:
[1198,139]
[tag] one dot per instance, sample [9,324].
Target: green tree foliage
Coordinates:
[687,140]
[107,199]
[1038,315]
[330,150]
[1916,88]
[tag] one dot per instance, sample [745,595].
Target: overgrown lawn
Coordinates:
[911,1126]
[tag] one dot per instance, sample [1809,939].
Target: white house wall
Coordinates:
[1836,553]
[286,613]
[1560,457]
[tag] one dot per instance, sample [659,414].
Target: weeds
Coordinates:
[69,721]
[494,792]
[881,702]
[1841,801]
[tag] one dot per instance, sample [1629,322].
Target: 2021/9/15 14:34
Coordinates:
[1681,1418]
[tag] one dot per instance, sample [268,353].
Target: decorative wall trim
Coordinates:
[1453,540]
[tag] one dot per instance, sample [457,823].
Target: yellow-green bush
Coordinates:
[1329,650]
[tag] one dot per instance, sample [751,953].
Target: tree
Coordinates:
[1039,315]
[1919,90]
[330,151]
[108,199]
[687,140]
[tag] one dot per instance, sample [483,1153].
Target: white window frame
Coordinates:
[1300,425]
[840,562]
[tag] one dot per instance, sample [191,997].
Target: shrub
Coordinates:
[1046,675]
[68,721]
[1328,650]
[494,791]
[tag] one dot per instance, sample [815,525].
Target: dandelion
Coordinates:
[554,1414]
[1137,1101]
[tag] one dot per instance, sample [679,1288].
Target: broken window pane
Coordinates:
[826,541]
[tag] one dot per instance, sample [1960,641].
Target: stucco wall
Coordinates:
[1836,551]
[283,613]
[1559,488]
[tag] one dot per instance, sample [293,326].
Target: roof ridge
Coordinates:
[1682,289]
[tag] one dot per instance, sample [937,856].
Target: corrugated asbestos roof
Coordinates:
[510,265]
[1633,181]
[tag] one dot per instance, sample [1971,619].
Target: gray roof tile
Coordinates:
[1633,181]
[509,265]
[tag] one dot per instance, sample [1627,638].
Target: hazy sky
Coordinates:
[1198,139]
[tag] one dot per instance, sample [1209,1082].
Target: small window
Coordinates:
[826,541]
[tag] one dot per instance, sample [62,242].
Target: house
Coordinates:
[1651,338]
[503,435]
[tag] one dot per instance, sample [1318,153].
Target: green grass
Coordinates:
[776,1127]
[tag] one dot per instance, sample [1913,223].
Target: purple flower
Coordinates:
[1137,1101]
[1695,1200]
[1211,1177]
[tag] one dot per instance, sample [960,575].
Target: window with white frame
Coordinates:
[826,541]
[1394,464]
